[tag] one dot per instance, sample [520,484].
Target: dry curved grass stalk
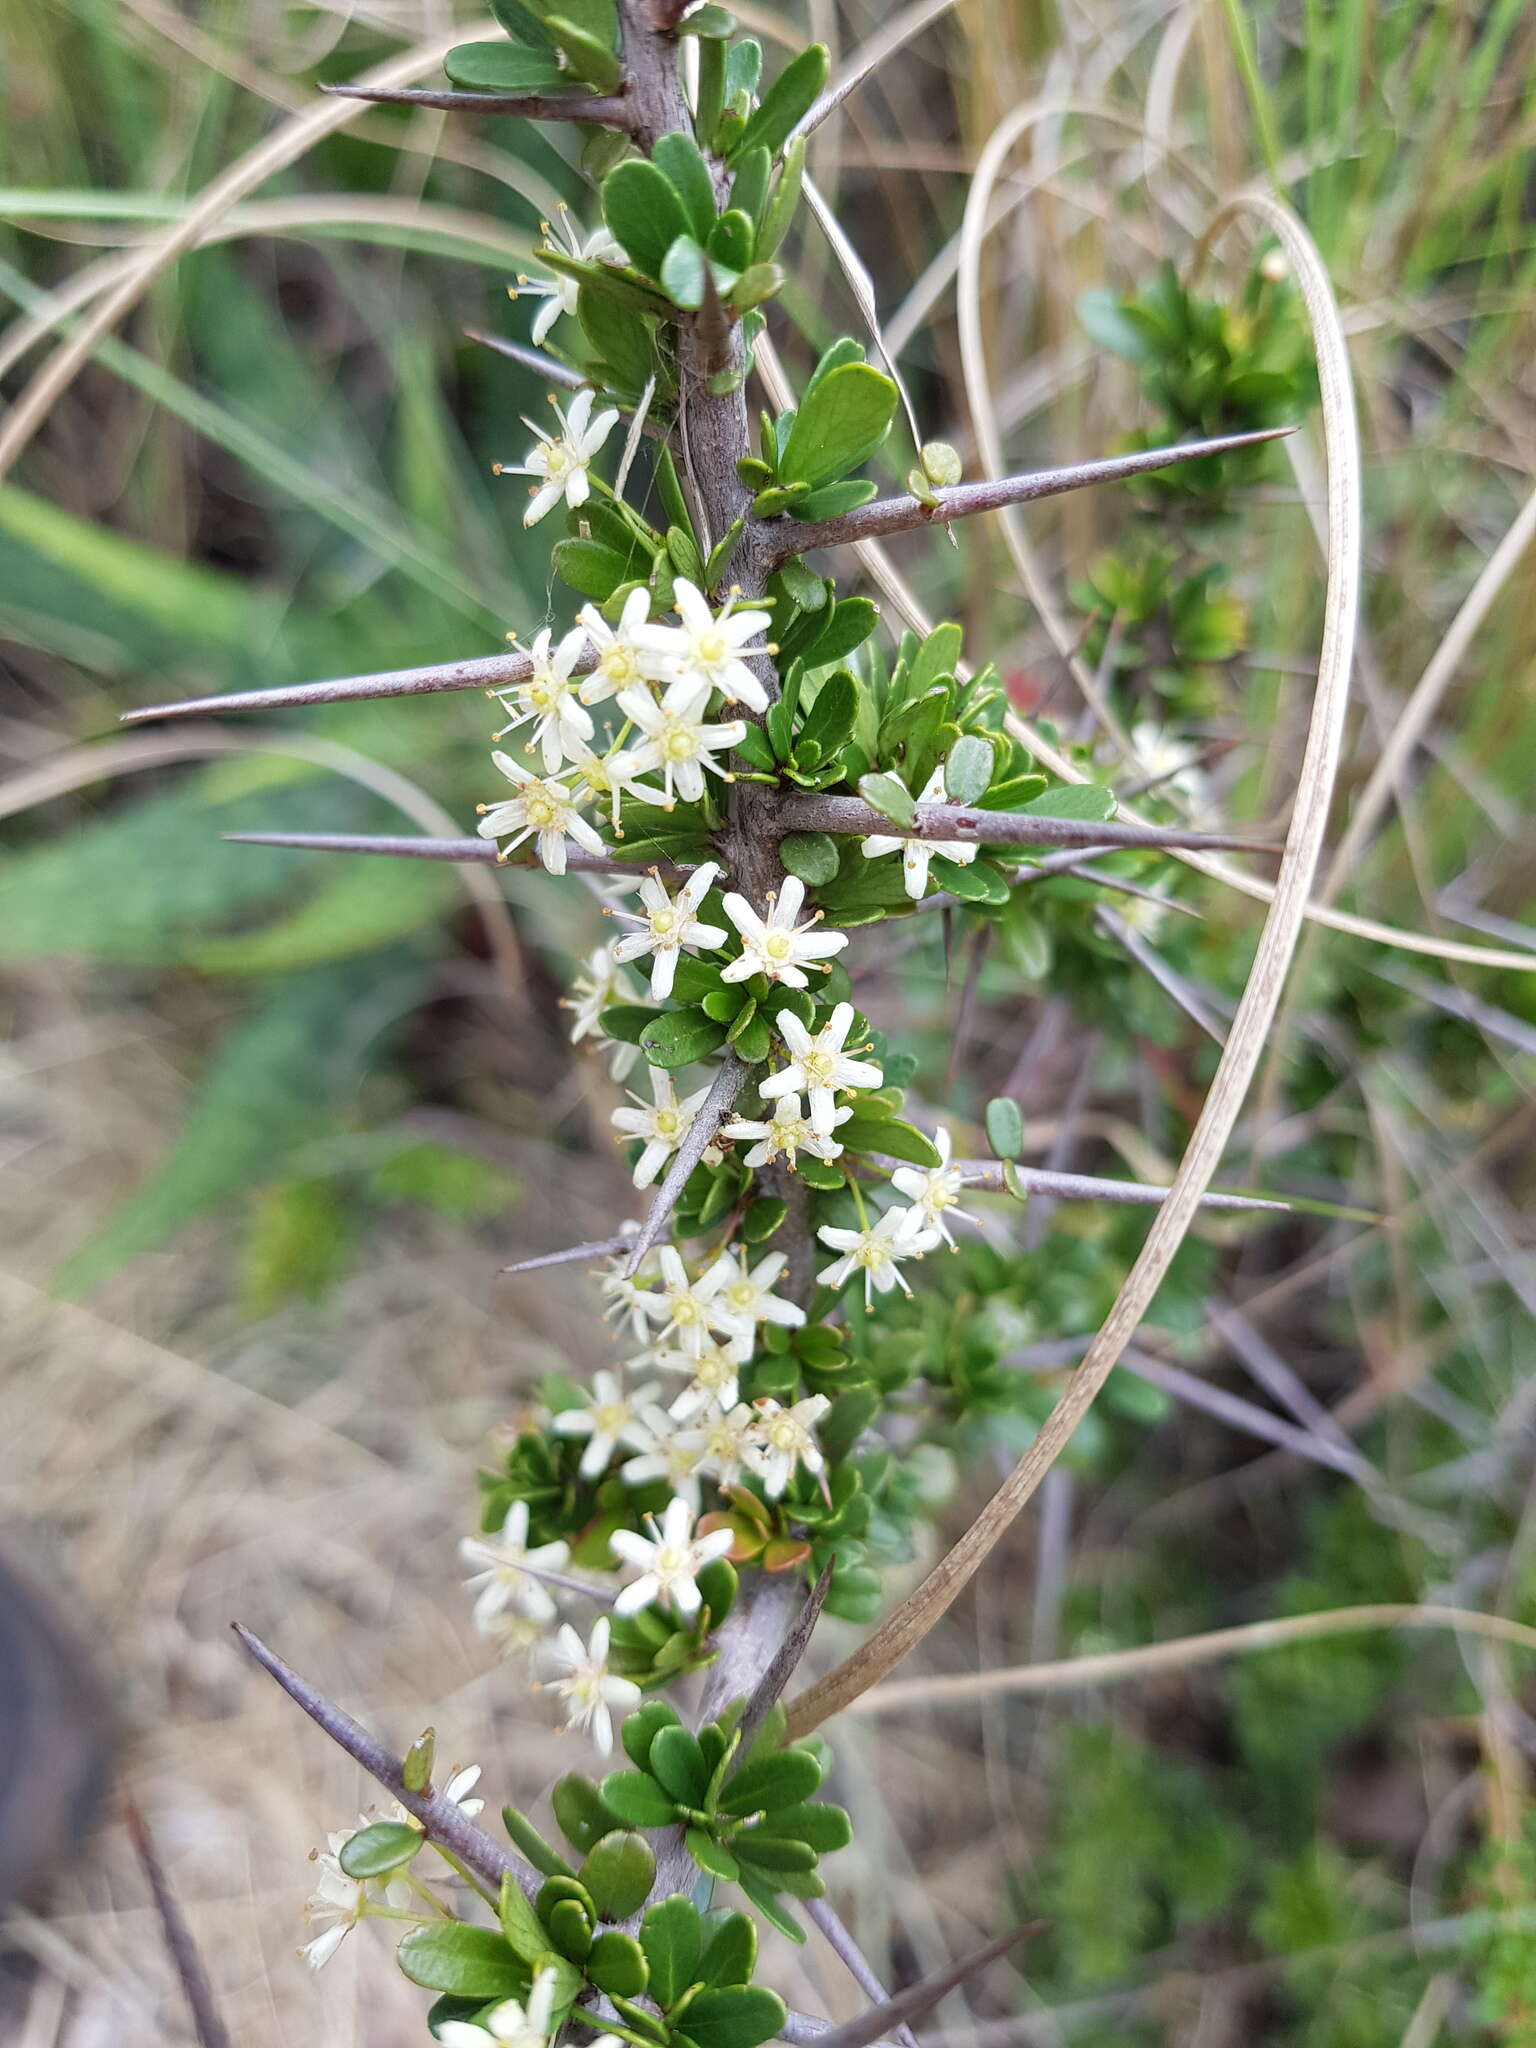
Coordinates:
[1149,1660]
[911,1621]
[274,153]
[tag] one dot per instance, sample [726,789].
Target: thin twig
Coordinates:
[786,1660]
[785,537]
[1174,985]
[822,1916]
[1114,1667]
[439,1817]
[196,1989]
[603,1248]
[923,1996]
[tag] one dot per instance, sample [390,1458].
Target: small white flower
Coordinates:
[709,647]
[820,1066]
[610,1418]
[739,1300]
[726,1440]
[681,1304]
[662,1123]
[712,1374]
[669,1561]
[877,1253]
[1170,766]
[625,654]
[783,1438]
[933,1190]
[545,809]
[628,1297]
[598,985]
[679,740]
[672,1453]
[606,779]
[510,2025]
[502,1584]
[775,946]
[916,853]
[667,925]
[549,698]
[339,1902]
[785,1134]
[588,1689]
[560,291]
[560,462]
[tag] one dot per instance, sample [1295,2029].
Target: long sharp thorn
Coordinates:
[489,672]
[785,1662]
[1177,987]
[206,2024]
[532,359]
[882,516]
[408,846]
[608,110]
[713,1111]
[603,1248]
[922,1997]
[441,1819]
[963,822]
[822,1917]
[987,1176]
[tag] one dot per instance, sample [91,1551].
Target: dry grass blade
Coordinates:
[1423,700]
[206,2024]
[441,1819]
[912,2004]
[712,1113]
[1118,1667]
[872,53]
[486,672]
[84,765]
[273,154]
[910,1622]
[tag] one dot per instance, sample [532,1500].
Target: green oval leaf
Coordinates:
[383,1847]
[1074,800]
[730,1953]
[841,422]
[890,1136]
[643,212]
[519,1923]
[681,162]
[711,1858]
[504,67]
[570,1930]
[968,769]
[638,1800]
[787,1777]
[639,1730]
[619,1873]
[616,1964]
[671,1938]
[579,1809]
[1005,1127]
[735,2016]
[472,1962]
[890,796]
[677,1763]
[792,94]
[767,1851]
[813,856]
[679,1037]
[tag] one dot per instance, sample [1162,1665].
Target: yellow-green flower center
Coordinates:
[711,647]
[779,946]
